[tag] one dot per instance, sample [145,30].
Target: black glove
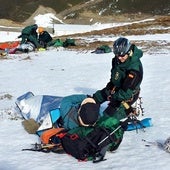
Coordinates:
[128,111]
[124,124]
[110,86]
[19,36]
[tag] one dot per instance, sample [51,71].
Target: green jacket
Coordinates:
[120,71]
[124,84]
[31,29]
[29,34]
[119,78]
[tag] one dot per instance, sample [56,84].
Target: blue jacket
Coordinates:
[69,110]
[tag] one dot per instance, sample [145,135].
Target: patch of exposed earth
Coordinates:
[156,25]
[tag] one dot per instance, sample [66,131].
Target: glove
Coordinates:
[30,125]
[128,111]
[19,36]
[110,86]
[128,108]
[124,125]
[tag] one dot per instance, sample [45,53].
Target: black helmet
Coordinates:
[121,46]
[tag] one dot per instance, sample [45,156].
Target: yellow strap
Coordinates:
[125,105]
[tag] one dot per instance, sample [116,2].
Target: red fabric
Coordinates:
[9,45]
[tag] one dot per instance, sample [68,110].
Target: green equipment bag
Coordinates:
[102,49]
[106,48]
[69,42]
[58,43]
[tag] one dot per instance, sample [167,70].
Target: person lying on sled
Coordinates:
[82,126]
[57,111]
[23,48]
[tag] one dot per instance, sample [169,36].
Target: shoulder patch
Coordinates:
[117,76]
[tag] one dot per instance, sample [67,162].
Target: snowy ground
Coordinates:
[63,72]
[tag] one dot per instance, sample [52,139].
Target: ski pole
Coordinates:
[110,134]
[125,121]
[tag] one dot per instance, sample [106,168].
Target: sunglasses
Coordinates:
[121,56]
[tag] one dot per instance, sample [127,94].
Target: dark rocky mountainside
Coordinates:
[84,11]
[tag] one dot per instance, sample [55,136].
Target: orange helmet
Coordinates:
[40,30]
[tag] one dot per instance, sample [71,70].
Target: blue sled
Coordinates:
[144,123]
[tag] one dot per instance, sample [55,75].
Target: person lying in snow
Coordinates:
[67,109]
[80,120]
[23,48]
[79,116]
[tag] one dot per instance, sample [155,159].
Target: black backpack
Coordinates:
[91,143]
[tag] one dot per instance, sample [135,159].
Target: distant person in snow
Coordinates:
[44,37]
[29,34]
[126,76]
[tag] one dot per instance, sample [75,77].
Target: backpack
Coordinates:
[69,42]
[47,135]
[58,43]
[50,141]
[102,49]
[91,143]
[86,143]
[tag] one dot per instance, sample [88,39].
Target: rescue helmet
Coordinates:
[121,46]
